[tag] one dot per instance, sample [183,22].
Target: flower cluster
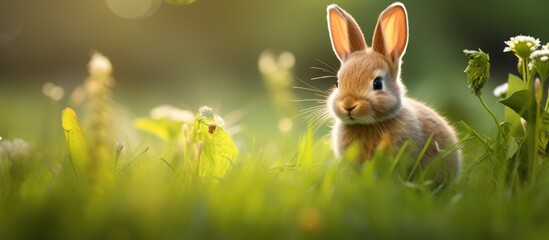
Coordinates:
[478,70]
[527,49]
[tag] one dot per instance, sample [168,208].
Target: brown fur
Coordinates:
[376,118]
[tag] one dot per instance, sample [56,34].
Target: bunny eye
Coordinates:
[377,84]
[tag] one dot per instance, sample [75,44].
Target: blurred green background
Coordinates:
[205,53]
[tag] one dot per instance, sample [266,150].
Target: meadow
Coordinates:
[81,161]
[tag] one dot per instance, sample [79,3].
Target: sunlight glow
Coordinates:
[285,124]
[131,9]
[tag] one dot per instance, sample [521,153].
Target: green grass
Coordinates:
[305,195]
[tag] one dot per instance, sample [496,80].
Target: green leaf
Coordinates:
[165,129]
[521,102]
[76,140]
[514,84]
[218,150]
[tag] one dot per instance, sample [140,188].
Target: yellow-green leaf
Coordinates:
[76,140]
[218,150]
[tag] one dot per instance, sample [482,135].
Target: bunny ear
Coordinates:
[391,34]
[345,33]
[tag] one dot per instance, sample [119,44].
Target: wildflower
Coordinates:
[13,158]
[478,70]
[53,91]
[545,47]
[207,112]
[501,90]
[540,62]
[172,113]
[99,64]
[98,91]
[14,150]
[522,46]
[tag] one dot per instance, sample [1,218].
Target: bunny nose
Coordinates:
[349,109]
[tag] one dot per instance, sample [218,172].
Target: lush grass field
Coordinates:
[179,178]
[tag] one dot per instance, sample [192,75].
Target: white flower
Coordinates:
[14,150]
[539,61]
[542,55]
[172,113]
[522,45]
[501,90]
[545,47]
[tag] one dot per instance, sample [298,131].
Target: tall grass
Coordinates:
[164,188]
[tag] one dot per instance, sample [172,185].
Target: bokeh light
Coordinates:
[131,9]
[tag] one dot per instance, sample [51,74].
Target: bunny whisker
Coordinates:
[312,112]
[316,116]
[310,100]
[324,77]
[311,88]
[331,69]
[322,93]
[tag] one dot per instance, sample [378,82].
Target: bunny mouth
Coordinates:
[351,117]
[351,120]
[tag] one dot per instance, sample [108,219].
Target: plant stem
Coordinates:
[489,110]
[533,126]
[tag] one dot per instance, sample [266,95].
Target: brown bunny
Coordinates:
[369,105]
